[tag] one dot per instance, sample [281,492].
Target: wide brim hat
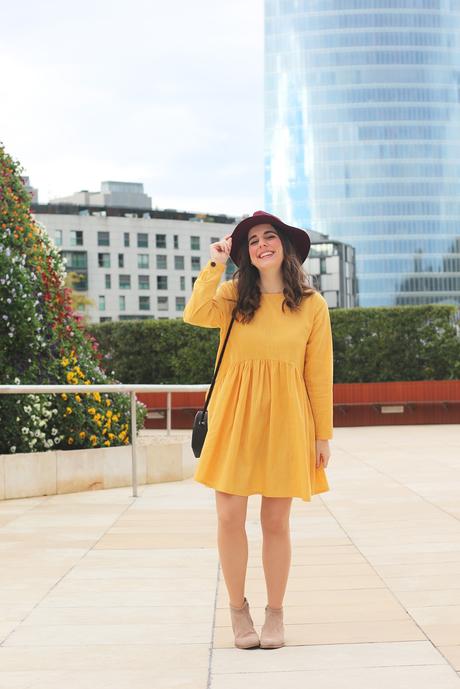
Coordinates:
[298,237]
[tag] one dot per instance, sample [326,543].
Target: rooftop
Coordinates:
[104,589]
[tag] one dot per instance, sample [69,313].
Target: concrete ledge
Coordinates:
[159,459]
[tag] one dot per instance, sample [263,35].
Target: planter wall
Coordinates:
[397,403]
[355,404]
[33,474]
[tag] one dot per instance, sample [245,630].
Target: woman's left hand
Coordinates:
[323,452]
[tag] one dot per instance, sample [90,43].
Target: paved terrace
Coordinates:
[100,589]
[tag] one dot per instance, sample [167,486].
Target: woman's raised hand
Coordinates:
[220,251]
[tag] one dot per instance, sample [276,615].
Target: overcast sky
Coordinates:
[168,93]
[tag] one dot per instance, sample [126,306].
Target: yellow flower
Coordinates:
[64,361]
[70,440]
[108,402]
[104,431]
[68,410]
[97,396]
[91,410]
[64,396]
[87,382]
[112,436]
[82,434]
[109,414]
[126,441]
[78,398]
[93,438]
[107,442]
[70,376]
[122,435]
[97,416]
[115,418]
[99,423]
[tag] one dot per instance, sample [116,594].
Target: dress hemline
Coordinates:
[257,492]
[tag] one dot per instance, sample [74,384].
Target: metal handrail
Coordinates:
[121,387]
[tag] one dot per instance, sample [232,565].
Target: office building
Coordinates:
[362,137]
[134,264]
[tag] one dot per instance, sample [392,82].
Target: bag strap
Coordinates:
[217,367]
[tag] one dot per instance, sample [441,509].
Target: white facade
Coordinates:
[145,267]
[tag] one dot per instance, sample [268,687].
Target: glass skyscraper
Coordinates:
[362,137]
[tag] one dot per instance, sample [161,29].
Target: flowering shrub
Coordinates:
[42,341]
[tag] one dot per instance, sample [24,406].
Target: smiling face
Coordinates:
[265,247]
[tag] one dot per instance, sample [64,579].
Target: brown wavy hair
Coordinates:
[246,280]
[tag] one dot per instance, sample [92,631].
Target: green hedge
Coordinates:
[374,344]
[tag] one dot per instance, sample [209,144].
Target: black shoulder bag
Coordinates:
[200,424]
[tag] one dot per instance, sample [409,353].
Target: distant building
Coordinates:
[137,264]
[362,137]
[112,194]
[32,191]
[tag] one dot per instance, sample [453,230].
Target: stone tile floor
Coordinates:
[100,589]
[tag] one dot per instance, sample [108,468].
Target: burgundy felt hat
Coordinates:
[299,238]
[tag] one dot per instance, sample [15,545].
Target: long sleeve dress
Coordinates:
[272,396]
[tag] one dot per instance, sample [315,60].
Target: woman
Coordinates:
[270,415]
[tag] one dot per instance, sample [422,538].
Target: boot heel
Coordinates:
[243,627]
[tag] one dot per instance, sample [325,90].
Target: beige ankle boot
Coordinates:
[272,633]
[243,627]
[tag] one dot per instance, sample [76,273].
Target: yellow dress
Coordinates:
[272,396]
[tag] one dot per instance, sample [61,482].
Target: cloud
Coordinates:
[169,94]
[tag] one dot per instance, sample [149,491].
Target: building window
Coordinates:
[108,281]
[58,237]
[103,239]
[194,243]
[162,282]
[101,302]
[142,260]
[76,238]
[180,303]
[103,260]
[122,302]
[121,260]
[142,240]
[213,240]
[160,241]
[182,282]
[162,303]
[193,280]
[124,281]
[179,262]
[75,259]
[196,262]
[144,281]
[144,303]
[126,238]
[176,241]
[162,261]
[103,319]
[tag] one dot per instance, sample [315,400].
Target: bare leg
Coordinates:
[232,543]
[276,551]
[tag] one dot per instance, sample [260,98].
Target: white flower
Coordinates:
[57,441]
[13,448]
[24,431]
